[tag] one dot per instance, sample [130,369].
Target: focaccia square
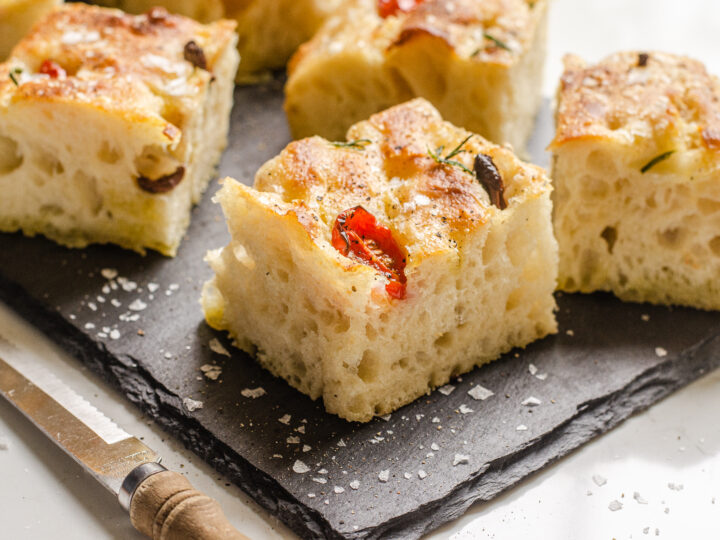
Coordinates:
[269,30]
[636,166]
[111,125]
[370,271]
[480,62]
[16,18]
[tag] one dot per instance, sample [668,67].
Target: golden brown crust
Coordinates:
[130,65]
[466,24]
[429,206]
[630,95]
[471,29]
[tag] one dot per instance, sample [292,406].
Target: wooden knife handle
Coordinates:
[165,506]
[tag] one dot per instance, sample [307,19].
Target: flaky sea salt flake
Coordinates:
[384,476]
[192,404]
[299,467]
[217,347]
[447,389]
[460,458]
[253,393]
[480,393]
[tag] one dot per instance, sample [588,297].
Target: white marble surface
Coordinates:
[43,494]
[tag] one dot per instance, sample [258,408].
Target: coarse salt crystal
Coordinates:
[435,420]
[355,484]
[464,409]
[109,273]
[152,287]
[115,302]
[89,326]
[285,419]
[114,334]
[384,476]
[422,474]
[639,498]
[531,402]
[338,490]
[306,448]
[217,347]
[293,440]
[447,389]
[386,417]
[480,393]
[299,467]
[675,487]
[192,404]
[407,475]
[253,392]
[92,306]
[323,471]
[599,480]
[660,352]
[211,371]
[341,443]
[532,369]
[137,305]
[615,505]
[460,458]
[435,447]
[521,427]
[541,376]
[320,480]
[645,317]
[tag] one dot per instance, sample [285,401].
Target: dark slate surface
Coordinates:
[606,370]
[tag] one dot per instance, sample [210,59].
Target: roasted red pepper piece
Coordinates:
[52,68]
[386,8]
[358,236]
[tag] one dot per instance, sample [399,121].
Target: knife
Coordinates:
[162,504]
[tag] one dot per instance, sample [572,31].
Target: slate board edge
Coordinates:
[593,418]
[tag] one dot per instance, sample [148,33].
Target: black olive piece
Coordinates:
[489,177]
[195,55]
[164,183]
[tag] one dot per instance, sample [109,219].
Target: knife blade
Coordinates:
[162,504]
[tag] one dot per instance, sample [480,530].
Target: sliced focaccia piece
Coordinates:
[370,271]
[636,166]
[111,125]
[270,30]
[16,18]
[479,62]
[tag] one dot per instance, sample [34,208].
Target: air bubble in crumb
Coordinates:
[446,390]
[480,393]
[660,352]
[253,392]
[299,467]
[192,405]
[217,347]
[384,476]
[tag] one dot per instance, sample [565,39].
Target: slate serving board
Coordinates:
[604,365]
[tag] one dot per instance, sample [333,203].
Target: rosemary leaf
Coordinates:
[447,160]
[14,74]
[497,42]
[358,144]
[657,159]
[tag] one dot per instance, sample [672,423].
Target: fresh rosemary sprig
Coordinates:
[358,144]
[497,42]
[14,74]
[448,160]
[657,159]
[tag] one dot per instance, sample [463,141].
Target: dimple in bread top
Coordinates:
[630,97]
